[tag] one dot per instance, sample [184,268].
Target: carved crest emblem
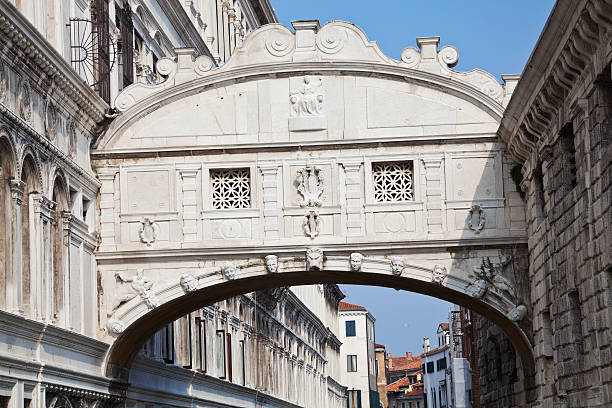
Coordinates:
[148,231]
[311,224]
[24,100]
[310,186]
[476,218]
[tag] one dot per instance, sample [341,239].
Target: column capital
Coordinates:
[352,165]
[107,173]
[17,188]
[189,170]
[43,206]
[269,168]
[432,160]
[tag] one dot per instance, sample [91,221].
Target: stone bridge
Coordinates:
[309,157]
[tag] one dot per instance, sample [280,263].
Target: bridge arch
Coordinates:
[324,104]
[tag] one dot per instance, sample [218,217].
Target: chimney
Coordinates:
[409,355]
[426,345]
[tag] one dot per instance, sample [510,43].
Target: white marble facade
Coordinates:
[308,145]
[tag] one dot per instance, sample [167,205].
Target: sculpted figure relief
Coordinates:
[439,274]
[314,259]
[308,101]
[188,283]
[355,261]
[397,265]
[228,269]
[490,276]
[311,224]
[271,263]
[138,285]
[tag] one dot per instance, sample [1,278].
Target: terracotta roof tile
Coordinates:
[444,326]
[379,345]
[349,306]
[404,363]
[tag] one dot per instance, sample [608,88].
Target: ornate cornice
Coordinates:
[21,37]
[572,46]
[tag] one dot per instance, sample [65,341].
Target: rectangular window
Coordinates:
[441,364]
[403,404]
[100,17]
[230,188]
[202,342]
[350,328]
[430,367]
[126,51]
[410,404]
[168,343]
[351,363]
[229,357]
[242,363]
[354,399]
[220,353]
[393,181]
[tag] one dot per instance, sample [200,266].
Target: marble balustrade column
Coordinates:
[270,200]
[354,200]
[190,202]
[433,194]
[108,236]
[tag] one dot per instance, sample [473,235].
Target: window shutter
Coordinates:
[359,398]
[103,69]
[127,45]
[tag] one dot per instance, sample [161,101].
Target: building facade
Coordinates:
[382,367]
[357,336]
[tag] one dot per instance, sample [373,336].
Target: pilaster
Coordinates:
[270,200]
[107,206]
[190,203]
[354,201]
[43,218]
[14,292]
[433,194]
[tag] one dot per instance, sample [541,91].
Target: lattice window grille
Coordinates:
[393,181]
[231,188]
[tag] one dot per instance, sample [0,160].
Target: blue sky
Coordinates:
[496,36]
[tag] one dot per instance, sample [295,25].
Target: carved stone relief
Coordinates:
[279,43]
[228,269]
[68,397]
[518,313]
[476,218]
[148,232]
[130,288]
[310,186]
[311,224]
[24,100]
[308,99]
[397,265]
[71,139]
[355,261]
[115,326]
[314,259]
[271,262]
[51,120]
[189,283]
[439,274]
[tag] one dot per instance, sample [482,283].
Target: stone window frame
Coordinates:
[370,201]
[207,188]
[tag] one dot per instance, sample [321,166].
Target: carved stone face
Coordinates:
[356,259]
[271,263]
[314,259]
[228,270]
[188,283]
[397,265]
[518,313]
[478,289]
[438,274]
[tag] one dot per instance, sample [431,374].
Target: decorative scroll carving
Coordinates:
[331,40]
[228,269]
[476,218]
[438,275]
[138,285]
[51,120]
[355,261]
[311,224]
[148,231]
[189,283]
[24,100]
[310,186]
[314,259]
[279,43]
[271,262]
[397,265]
[308,100]
[411,57]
